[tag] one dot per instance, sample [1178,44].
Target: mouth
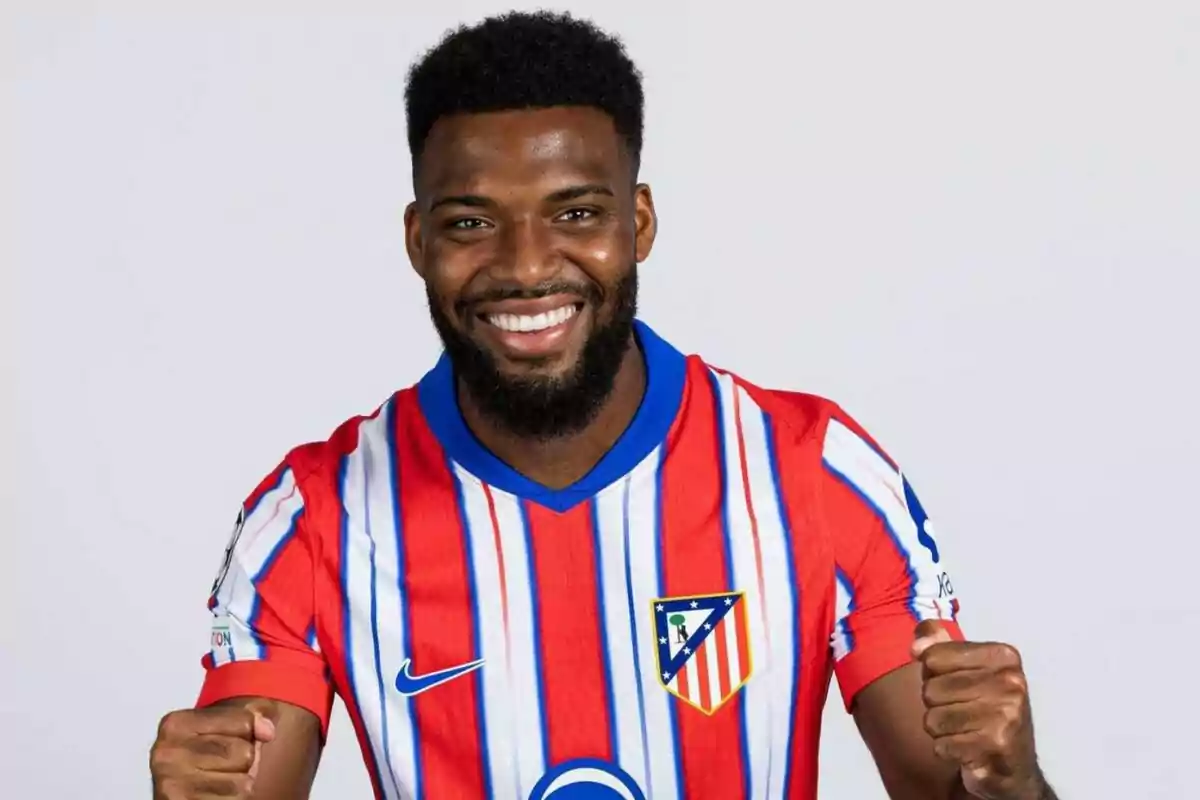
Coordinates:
[524,329]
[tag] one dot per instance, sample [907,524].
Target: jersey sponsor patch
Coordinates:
[228,557]
[703,647]
[221,640]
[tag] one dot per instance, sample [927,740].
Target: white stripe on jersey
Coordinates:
[778,585]
[528,737]
[759,704]
[640,533]
[503,743]
[371,581]
[841,641]
[627,683]
[266,528]
[882,487]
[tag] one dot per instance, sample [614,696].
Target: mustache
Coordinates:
[588,291]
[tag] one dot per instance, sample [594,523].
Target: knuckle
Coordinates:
[166,726]
[1016,682]
[171,789]
[160,759]
[174,725]
[240,754]
[1009,655]
[932,722]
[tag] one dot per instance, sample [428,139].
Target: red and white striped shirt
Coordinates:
[665,628]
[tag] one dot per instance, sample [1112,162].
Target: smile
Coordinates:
[532,323]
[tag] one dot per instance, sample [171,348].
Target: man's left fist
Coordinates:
[977,711]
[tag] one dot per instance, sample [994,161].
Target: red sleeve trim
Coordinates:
[886,651]
[273,680]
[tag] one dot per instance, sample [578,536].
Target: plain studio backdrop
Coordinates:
[977,226]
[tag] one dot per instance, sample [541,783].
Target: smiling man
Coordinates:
[571,561]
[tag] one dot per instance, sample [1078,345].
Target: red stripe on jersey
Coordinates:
[682,682]
[887,565]
[271,481]
[573,684]
[702,676]
[289,571]
[693,562]
[727,680]
[324,513]
[743,639]
[814,592]
[441,615]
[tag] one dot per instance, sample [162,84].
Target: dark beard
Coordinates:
[545,408]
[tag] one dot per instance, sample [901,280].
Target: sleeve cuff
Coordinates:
[283,682]
[886,651]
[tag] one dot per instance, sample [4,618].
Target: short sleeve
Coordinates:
[263,638]
[891,572]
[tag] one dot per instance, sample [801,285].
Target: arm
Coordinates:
[266,694]
[934,712]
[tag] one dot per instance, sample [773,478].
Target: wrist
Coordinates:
[1039,789]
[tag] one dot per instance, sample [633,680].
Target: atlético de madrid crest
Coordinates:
[703,647]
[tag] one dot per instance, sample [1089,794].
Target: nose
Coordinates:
[527,255]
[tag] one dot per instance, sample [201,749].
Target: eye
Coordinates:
[577,215]
[467,224]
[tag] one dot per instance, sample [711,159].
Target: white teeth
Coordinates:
[530,323]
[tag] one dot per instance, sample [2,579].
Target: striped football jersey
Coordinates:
[667,627]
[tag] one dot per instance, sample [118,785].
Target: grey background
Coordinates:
[974,225]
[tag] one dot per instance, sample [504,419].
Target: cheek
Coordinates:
[449,272]
[606,255]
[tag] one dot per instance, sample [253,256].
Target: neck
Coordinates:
[559,462]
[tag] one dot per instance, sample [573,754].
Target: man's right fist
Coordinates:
[210,752]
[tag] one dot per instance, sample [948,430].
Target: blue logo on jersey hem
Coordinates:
[408,684]
[586,779]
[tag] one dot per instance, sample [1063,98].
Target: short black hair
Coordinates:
[525,60]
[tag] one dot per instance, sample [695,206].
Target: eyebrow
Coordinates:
[560,196]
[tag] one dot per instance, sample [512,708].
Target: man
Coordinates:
[494,569]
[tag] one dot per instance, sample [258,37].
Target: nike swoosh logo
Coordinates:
[410,685]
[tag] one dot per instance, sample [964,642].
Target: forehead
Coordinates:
[505,150]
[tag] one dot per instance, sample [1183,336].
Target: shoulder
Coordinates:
[799,418]
[316,467]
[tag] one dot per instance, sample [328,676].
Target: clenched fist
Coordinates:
[978,714]
[210,753]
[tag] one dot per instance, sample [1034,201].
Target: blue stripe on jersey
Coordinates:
[473,592]
[633,634]
[536,613]
[900,548]
[794,590]
[347,615]
[658,592]
[719,417]
[609,700]
[256,603]
[666,373]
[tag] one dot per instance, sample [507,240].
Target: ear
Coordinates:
[413,239]
[645,220]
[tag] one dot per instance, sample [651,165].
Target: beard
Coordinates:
[545,407]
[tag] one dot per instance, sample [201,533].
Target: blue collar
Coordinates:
[666,370]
